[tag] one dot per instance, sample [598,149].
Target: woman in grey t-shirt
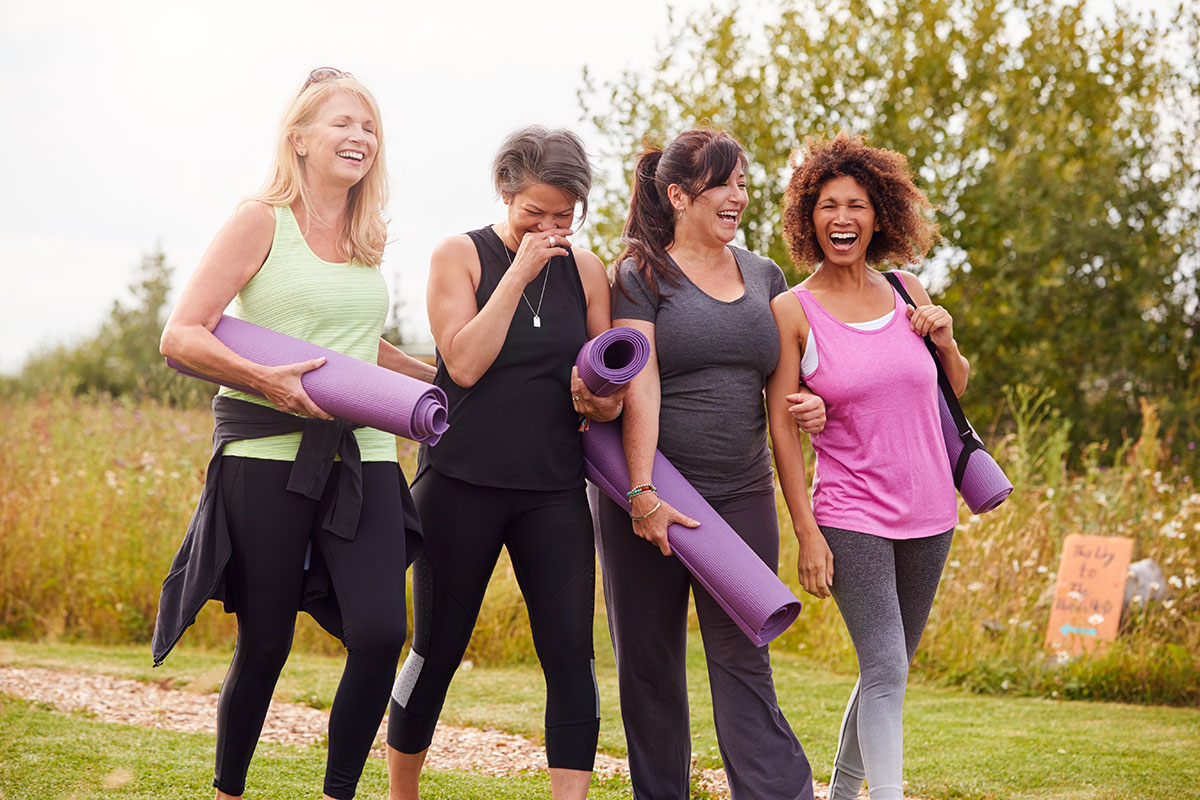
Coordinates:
[705,306]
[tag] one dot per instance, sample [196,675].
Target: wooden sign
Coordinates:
[1089,592]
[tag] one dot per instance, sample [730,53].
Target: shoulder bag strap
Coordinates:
[970,442]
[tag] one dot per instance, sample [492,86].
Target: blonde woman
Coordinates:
[301,258]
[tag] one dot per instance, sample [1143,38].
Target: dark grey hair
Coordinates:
[539,155]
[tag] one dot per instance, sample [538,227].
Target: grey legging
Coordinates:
[884,589]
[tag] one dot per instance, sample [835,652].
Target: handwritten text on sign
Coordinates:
[1088,594]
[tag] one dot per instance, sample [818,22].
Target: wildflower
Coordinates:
[1016,565]
[973,519]
[1004,684]
[55,480]
[1189,581]
[110,478]
[467,666]
[1049,492]
[1175,581]
[1042,570]
[1062,656]
[974,586]
[1095,619]
[1101,498]
[1075,595]
[1157,515]
[1168,604]
[955,563]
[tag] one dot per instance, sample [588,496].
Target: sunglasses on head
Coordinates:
[323,74]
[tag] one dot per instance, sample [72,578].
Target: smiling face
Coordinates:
[844,221]
[538,207]
[340,145]
[714,215]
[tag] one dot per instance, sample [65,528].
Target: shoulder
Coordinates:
[760,267]
[914,286]
[628,275]
[591,268]
[252,218]
[455,248]
[750,259]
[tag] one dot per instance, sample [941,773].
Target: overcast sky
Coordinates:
[130,124]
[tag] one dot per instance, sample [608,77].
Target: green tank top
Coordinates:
[339,306]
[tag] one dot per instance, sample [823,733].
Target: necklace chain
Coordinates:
[537,312]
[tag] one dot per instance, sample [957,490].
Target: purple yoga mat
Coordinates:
[749,591]
[733,574]
[612,359]
[984,484]
[344,386]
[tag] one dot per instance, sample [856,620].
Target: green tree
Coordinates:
[121,359]
[1060,146]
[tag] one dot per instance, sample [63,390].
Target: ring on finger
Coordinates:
[552,241]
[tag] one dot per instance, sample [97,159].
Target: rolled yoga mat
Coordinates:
[749,591]
[984,485]
[612,359]
[344,386]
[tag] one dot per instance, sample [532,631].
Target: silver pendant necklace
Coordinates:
[537,312]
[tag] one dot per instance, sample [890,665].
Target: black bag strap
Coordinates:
[970,442]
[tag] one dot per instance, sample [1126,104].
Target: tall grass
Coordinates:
[95,496]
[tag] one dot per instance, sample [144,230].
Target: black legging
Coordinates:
[270,529]
[549,539]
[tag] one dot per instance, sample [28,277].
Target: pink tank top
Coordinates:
[881,462]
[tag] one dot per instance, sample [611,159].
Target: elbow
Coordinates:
[462,377]
[168,343]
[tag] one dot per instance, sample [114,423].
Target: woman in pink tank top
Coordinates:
[883,507]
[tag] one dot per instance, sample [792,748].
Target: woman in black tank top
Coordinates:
[510,305]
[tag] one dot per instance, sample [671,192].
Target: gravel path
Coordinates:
[484,752]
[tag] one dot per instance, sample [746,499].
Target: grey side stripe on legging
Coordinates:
[407,679]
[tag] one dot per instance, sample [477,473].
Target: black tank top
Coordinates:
[516,427]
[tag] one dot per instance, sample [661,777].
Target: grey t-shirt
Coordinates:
[713,361]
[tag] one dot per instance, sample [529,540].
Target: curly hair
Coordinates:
[905,234]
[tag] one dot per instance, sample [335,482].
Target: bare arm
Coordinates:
[468,337]
[815,561]
[397,360]
[936,321]
[231,260]
[640,437]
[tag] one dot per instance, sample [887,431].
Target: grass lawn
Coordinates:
[958,745]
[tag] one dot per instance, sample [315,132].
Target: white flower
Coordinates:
[1049,492]
[1075,595]
[1157,515]
[955,564]
[1062,656]
[1174,581]
[466,666]
[1095,619]
[1101,498]
[1042,570]
[1168,604]
[974,586]
[974,518]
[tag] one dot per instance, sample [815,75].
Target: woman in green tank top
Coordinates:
[302,258]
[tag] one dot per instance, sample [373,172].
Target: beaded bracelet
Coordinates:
[641,488]
[648,513]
